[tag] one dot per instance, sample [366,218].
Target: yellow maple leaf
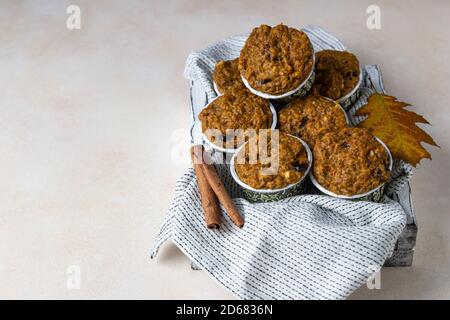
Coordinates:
[394,125]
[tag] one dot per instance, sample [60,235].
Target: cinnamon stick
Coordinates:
[210,204]
[222,194]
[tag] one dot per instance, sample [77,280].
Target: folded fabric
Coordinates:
[304,247]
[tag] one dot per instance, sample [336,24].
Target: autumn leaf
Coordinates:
[394,125]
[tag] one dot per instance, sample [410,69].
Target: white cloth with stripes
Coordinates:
[304,247]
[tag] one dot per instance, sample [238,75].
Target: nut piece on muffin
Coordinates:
[350,162]
[276,60]
[226,76]
[240,111]
[286,151]
[337,73]
[311,117]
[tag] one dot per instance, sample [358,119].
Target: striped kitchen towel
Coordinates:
[304,247]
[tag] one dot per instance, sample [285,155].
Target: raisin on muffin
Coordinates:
[310,117]
[276,60]
[289,153]
[350,162]
[234,113]
[226,76]
[337,73]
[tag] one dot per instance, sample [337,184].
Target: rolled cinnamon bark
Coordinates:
[210,204]
[222,194]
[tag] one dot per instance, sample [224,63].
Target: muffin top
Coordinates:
[310,117]
[350,162]
[337,73]
[281,162]
[226,76]
[276,60]
[233,111]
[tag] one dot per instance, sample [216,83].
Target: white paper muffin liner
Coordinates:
[233,150]
[375,194]
[301,90]
[267,195]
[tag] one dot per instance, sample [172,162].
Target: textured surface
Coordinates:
[407,239]
[306,247]
[87,118]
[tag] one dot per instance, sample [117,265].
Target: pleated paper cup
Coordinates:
[375,194]
[216,88]
[268,195]
[286,97]
[351,97]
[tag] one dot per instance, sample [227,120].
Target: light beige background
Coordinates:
[87,119]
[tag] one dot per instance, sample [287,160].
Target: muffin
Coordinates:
[276,60]
[226,76]
[337,73]
[259,170]
[350,162]
[311,117]
[227,120]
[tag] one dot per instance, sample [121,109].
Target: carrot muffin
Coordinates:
[337,73]
[290,154]
[276,60]
[230,112]
[311,117]
[226,76]
[350,162]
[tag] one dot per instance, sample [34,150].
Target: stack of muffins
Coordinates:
[312,91]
